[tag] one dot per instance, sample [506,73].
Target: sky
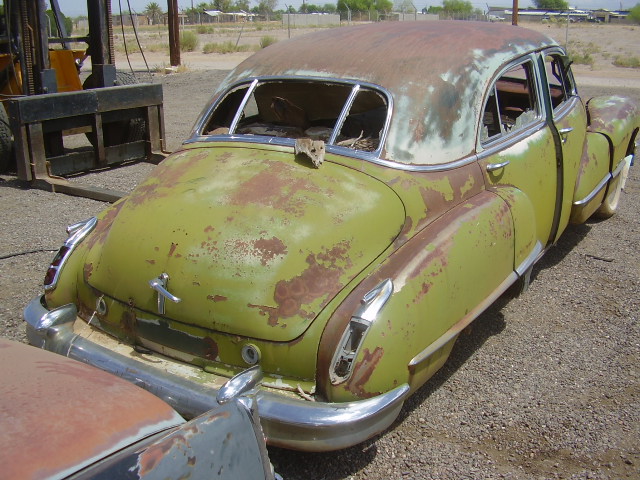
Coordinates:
[73,8]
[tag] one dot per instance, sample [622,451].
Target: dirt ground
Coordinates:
[546,385]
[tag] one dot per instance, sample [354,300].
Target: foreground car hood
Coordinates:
[254,242]
[59,416]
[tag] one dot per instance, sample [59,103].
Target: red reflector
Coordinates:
[50,276]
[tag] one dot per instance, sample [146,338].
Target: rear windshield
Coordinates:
[342,114]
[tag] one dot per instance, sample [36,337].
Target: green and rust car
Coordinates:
[348,202]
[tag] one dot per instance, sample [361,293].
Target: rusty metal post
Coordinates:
[514,13]
[100,44]
[174,33]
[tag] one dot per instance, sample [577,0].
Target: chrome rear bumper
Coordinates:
[287,422]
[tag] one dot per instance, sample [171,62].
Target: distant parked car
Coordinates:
[348,202]
[64,419]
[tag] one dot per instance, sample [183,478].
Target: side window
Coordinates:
[559,78]
[511,103]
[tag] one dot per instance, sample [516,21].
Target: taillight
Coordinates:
[77,233]
[355,333]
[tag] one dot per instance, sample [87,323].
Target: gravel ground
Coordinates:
[542,386]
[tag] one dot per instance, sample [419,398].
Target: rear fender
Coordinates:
[592,177]
[442,279]
[618,118]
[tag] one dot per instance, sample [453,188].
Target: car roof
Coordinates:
[436,72]
[58,415]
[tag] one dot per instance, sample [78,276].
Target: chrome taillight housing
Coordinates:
[77,232]
[356,331]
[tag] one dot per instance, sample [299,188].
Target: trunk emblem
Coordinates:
[160,285]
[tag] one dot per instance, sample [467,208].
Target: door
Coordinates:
[570,120]
[519,156]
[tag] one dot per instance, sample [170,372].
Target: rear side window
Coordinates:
[347,115]
[511,103]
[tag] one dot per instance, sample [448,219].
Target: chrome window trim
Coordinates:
[496,143]
[253,82]
[572,95]
[337,150]
[343,115]
[502,143]
[243,104]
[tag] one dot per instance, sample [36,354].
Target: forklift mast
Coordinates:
[46,102]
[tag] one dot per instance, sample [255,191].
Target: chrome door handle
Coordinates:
[159,285]
[496,166]
[564,132]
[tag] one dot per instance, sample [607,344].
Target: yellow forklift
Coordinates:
[44,104]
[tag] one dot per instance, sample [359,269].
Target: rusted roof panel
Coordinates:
[436,72]
[58,415]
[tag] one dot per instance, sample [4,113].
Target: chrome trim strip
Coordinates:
[287,422]
[455,330]
[536,253]
[621,165]
[343,115]
[374,300]
[502,143]
[337,150]
[594,192]
[243,104]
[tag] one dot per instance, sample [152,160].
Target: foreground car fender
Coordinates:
[74,420]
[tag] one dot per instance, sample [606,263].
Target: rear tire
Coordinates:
[7,160]
[126,131]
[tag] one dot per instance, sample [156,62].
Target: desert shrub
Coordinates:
[188,41]
[226,47]
[267,40]
[584,58]
[202,29]
[627,62]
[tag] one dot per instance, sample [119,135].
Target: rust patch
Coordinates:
[153,455]
[210,349]
[172,249]
[87,270]
[217,298]
[320,279]
[268,249]
[164,176]
[213,417]
[151,262]
[101,230]
[362,372]
[275,187]
[128,323]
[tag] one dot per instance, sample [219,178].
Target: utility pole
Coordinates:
[514,13]
[174,33]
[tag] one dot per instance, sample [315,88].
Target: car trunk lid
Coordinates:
[252,242]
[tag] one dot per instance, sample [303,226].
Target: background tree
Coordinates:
[634,13]
[267,7]
[457,7]
[154,12]
[551,4]
[68,23]
[241,5]
[364,5]
[329,8]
